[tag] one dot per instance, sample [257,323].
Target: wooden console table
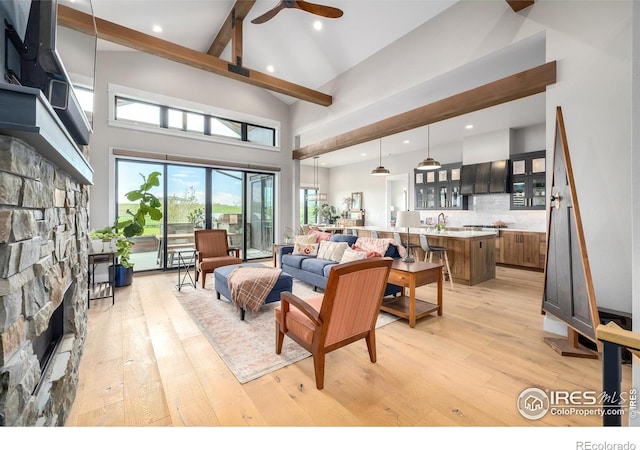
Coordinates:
[412,275]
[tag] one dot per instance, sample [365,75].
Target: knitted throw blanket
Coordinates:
[379,245]
[250,286]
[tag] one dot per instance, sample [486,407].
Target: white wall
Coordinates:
[152,74]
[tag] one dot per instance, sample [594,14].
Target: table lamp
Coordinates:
[408,219]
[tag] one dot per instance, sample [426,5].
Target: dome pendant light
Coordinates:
[380,170]
[429,163]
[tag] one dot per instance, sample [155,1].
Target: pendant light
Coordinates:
[380,171]
[429,163]
[317,196]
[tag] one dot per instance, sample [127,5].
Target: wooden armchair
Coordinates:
[347,312]
[213,251]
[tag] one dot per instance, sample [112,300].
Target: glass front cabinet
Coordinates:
[440,189]
[528,180]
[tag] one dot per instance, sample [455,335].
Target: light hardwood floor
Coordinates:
[147,364]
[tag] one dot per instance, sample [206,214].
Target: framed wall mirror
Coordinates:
[356,200]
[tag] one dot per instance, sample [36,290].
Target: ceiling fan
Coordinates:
[320,10]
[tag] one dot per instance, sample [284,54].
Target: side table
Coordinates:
[412,275]
[105,289]
[186,259]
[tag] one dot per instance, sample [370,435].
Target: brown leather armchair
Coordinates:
[213,251]
[347,312]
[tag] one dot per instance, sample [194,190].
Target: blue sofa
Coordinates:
[315,271]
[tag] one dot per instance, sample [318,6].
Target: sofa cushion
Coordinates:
[348,238]
[332,250]
[294,260]
[316,265]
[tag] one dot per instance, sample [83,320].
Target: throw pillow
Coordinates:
[352,255]
[332,250]
[322,236]
[305,249]
[306,239]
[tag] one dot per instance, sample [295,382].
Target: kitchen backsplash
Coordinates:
[488,208]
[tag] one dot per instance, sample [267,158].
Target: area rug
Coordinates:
[247,347]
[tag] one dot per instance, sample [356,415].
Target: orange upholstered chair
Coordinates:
[347,312]
[213,251]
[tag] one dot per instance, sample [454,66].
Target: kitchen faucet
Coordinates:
[441,222]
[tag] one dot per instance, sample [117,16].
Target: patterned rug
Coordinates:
[247,347]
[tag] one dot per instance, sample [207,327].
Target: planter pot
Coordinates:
[122,276]
[100,246]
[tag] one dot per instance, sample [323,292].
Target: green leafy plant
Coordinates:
[196,217]
[149,205]
[328,213]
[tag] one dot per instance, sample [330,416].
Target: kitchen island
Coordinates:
[472,254]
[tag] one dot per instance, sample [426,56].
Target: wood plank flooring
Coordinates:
[147,364]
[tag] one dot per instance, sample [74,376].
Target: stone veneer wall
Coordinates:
[43,252]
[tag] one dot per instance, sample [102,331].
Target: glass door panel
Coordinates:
[538,192]
[226,206]
[518,194]
[442,196]
[259,226]
[456,198]
[146,252]
[185,208]
[430,192]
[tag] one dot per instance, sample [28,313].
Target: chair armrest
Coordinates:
[285,250]
[304,307]
[236,251]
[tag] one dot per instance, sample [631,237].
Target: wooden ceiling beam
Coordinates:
[519,5]
[523,84]
[238,12]
[112,32]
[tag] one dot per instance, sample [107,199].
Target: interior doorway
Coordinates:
[397,196]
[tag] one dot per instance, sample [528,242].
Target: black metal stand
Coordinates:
[100,290]
[611,382]
[184,264]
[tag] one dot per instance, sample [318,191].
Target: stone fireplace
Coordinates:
[43,276]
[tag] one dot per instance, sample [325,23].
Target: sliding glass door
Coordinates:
[146,251]
[242,203]
[259,223]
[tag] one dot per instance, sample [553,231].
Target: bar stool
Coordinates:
[429,250]
[408,245]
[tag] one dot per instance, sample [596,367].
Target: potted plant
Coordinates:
[103,240]
[121,232]
[328,213]
[196,217]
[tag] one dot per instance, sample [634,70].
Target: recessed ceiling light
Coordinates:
[406,141]
[323,164]
[363,154]
[317,25]
[157,29]
[468,127]
[270,68]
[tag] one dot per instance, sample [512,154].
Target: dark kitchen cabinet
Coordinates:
[449,187]
[440,189]
[468,179]
[425,189]
[499,177]
[528,180]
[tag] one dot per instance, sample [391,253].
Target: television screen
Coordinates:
[30,37]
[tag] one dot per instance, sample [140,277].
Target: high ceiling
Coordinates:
[308,57]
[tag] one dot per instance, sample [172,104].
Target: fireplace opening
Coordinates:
[44,346]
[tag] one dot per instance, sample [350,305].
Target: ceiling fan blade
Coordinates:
[269,14]
[320,10]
